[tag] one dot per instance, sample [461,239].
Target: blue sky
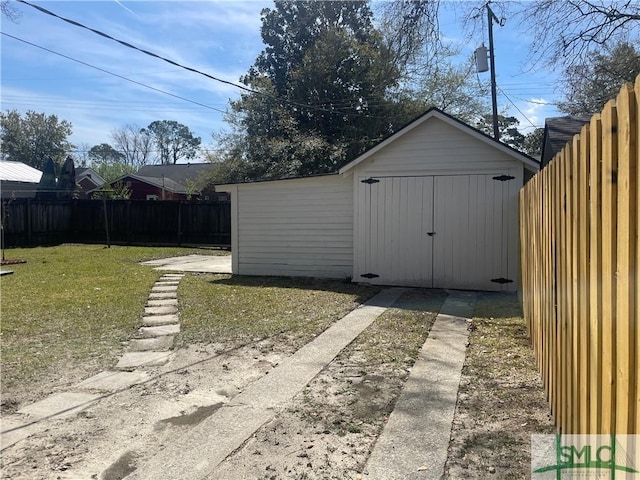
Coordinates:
[221,38]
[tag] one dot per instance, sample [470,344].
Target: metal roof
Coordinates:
[19,172]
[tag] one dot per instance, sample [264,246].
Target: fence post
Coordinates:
[625,261]
[583,278]
[609,220]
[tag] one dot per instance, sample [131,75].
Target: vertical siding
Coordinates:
[486,214]
[300,227]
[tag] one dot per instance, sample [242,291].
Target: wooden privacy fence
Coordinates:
[131,222]
[579,257]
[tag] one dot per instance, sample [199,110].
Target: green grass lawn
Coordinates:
[235,310]
[71,306]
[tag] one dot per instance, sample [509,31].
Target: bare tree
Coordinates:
[8,10]
[411,32]
[567,32]
[134,143]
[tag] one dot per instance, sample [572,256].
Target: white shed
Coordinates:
[434,205]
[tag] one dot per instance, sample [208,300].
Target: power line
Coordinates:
[112,73]
[190,69]
[516,107]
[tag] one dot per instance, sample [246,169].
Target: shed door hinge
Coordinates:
[503,178]
[369,275]
[370,180]
[501,280]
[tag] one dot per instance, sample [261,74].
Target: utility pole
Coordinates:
[494,96]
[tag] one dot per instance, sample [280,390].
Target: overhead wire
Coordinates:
[194,70]
[114,74]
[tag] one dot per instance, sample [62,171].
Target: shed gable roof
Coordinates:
[527,161]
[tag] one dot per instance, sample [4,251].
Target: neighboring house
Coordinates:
[434,205]
[18,180]
[187,174]
[557,132]
[146,188]
[87,179]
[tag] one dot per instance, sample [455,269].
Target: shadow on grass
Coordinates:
[413,299]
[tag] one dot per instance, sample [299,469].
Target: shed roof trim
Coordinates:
[528,162]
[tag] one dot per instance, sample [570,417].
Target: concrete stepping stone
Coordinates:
[156,320]
[132,360]
[172,329]
[157,344]
[167,283]
[167,310]
[112,381]
[60,405]
[160,295]
[163,302]
[164,288]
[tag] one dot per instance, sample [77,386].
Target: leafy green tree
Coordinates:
[105,153]
[34,138]
[533,143]
[590,85]
[508,128]
[319,91]
[111,171]
[172,140]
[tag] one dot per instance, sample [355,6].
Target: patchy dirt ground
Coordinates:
[328,429]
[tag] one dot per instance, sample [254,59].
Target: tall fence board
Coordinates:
[130,222]
[580,258]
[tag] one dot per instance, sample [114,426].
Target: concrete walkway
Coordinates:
[196,454]
[194,263]
[414,443]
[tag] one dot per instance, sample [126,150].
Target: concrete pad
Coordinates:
[111,381]
[156,320]
[14,429]
[131,360]
[163,288]
[163,302]
[60,405]
[157,344]
[414,443]
[194,263]
[172,329]
[196,454]
[166,283]
[160,310]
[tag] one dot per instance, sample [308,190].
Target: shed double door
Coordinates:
[432,231]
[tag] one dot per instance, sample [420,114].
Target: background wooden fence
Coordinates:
[130,222]
[579,257]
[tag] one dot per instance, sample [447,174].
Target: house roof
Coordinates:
[179,172]
[82,172]
[19,172]
[557,132]
[529,162]
[166,183]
